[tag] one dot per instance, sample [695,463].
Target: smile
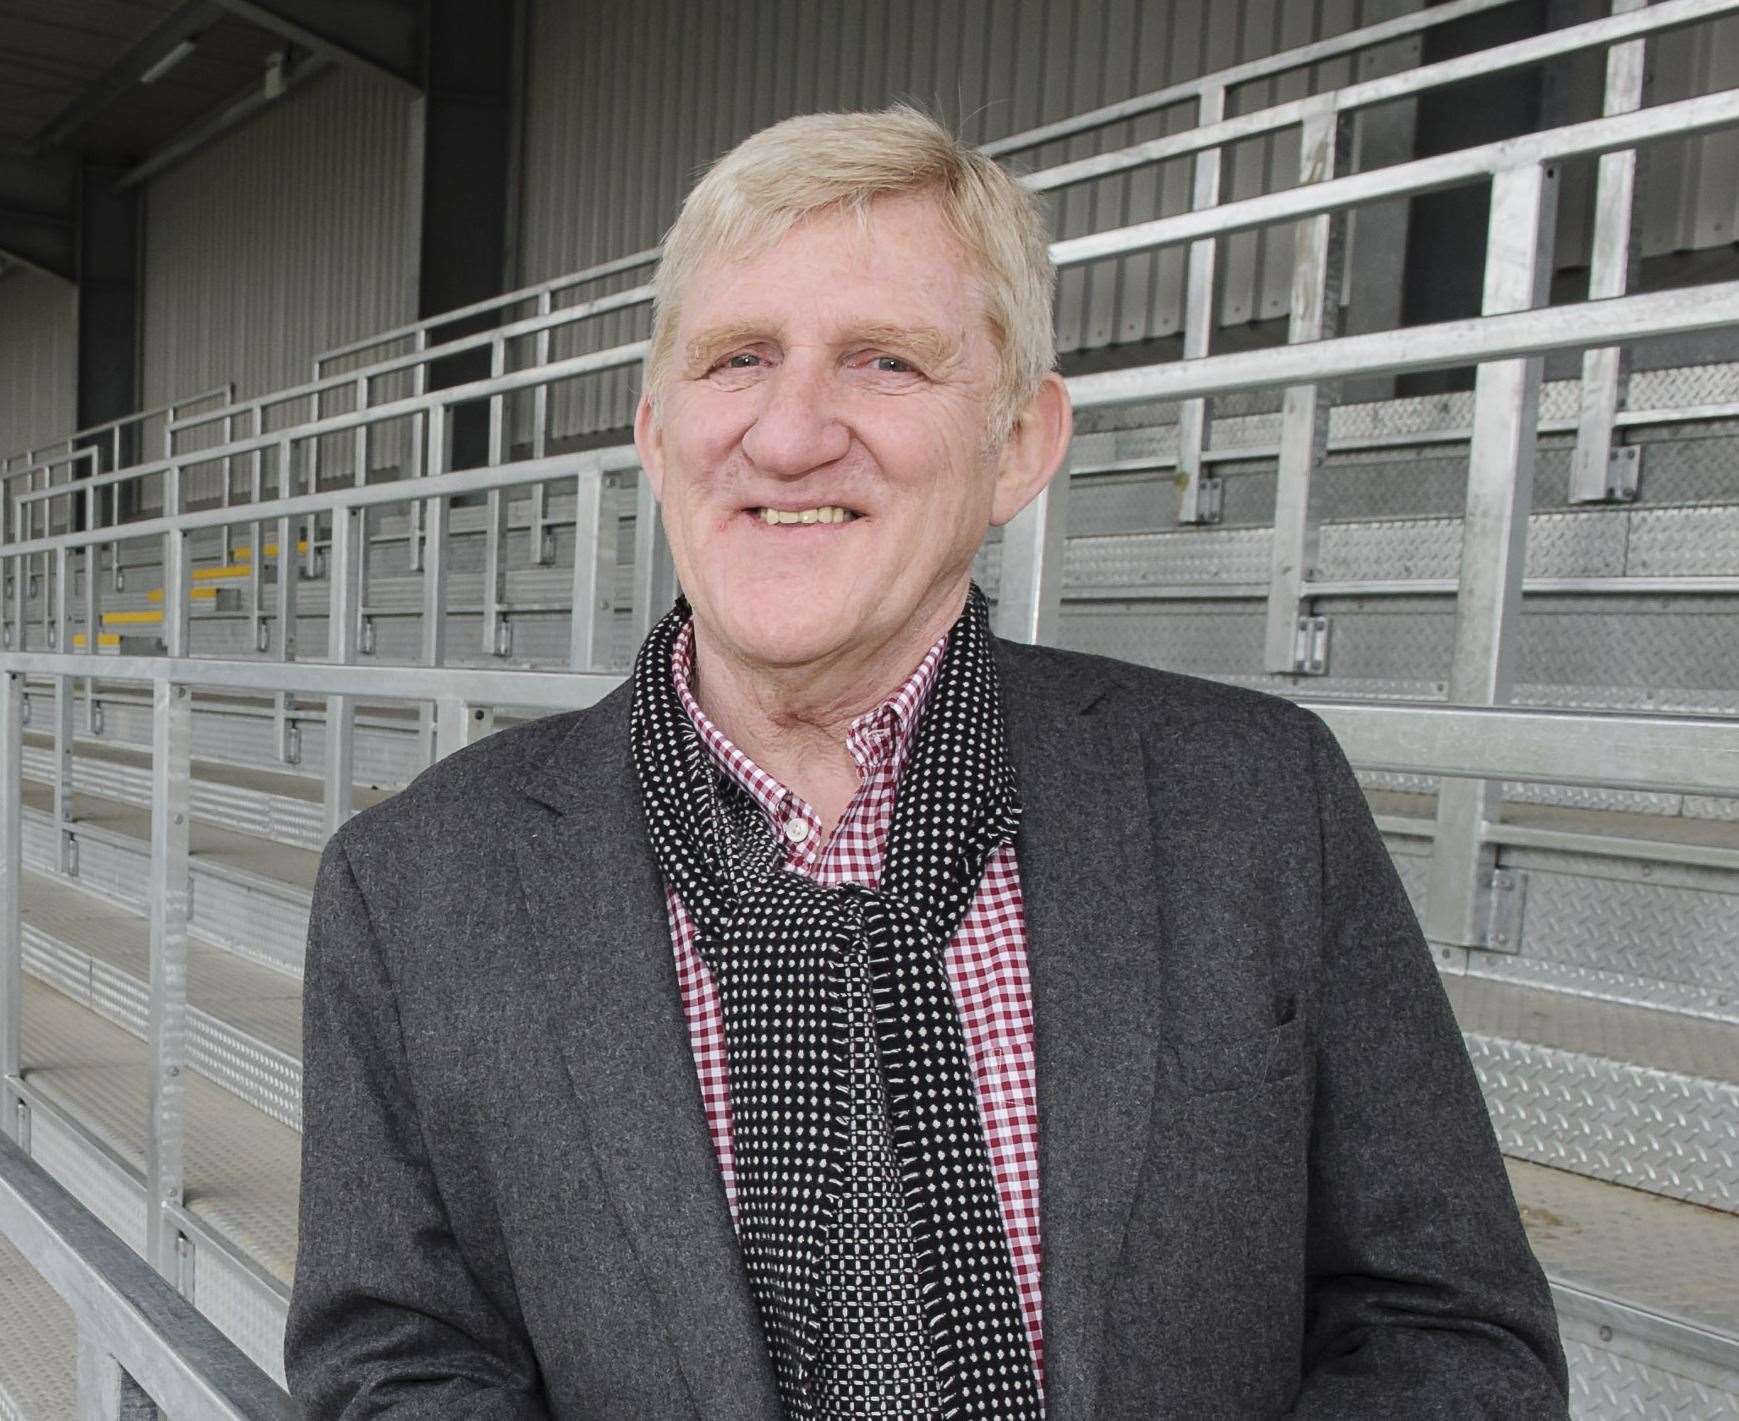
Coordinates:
[825,513]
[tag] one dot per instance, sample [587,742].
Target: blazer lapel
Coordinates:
[597,905]
[1087,871]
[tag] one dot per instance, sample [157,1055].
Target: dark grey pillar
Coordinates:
[1446,230]
[108,308]
[470,64]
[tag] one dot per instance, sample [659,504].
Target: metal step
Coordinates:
[38,1338]
[87,1085]
[249,894]
[244,1019]
[1644,1098]
[268,803]
[1648,1296]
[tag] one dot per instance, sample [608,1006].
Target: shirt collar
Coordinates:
[873,738]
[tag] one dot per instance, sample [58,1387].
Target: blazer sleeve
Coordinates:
[385,1318]
[1424,1298]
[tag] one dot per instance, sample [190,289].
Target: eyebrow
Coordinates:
[933,348]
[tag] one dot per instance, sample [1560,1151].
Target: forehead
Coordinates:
[899,261]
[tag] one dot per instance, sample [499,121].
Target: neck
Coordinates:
[792,721]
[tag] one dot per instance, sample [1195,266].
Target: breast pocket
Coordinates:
[1277,1052]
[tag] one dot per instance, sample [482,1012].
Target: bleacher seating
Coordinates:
[344,605]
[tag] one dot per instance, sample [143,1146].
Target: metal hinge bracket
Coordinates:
[1503,917]
[1310,647]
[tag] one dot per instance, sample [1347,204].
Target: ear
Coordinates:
[1034,449]
[649,440]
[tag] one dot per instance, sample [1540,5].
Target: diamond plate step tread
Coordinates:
[1660,1255]
[1644,1098]
[279,783]
[221,845]
[1635,1036]
[258,1000]
[1611,823]
[242,1166]
[38,1344]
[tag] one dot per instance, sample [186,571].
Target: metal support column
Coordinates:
[11,895]
[341,649]
[1599,469]
[1030,594]
[1316,279]
[654,572]
[1500,484]
[458,723]
[171,890]
[1199,496]
[434,561]
[494,630]
[66,842]
[105,1391]
[589,591]
[540,541]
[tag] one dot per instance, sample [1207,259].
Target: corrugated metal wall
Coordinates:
[38,360]
[279,241]
[630,99]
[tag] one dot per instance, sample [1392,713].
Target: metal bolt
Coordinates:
[178,818]
[1605,1334]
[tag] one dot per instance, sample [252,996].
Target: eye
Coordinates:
[742,360]
[893,365]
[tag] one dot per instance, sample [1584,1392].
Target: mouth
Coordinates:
[825,513]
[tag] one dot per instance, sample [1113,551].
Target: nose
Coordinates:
[796,426]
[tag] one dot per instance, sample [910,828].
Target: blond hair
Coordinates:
[754,194]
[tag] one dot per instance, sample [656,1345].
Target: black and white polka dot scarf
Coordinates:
[867,1207]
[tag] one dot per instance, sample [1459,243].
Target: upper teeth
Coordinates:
[828,513]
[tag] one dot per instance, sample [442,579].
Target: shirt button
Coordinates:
[796,829]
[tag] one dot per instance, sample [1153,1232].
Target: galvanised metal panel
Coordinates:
[280,240]
[38,360]
[1619,1378]
[244,1310]
[628,100]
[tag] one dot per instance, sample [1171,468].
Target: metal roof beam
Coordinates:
[379,34]
[180,24]
[38,213]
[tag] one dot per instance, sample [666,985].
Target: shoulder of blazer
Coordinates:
[487,787]
[1045,687]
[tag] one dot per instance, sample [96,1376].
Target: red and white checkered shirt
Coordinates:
[986,959]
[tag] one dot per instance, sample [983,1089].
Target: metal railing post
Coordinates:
[11,895]
[434,568]
[171,888]
[284,608]
[654,572]
[1030,594]
[1601,471]
[341,639]
[105,1391]
[1199,496]
[540,553]
[362,447]
[1500,483]
[1316,280]
[65,842]
[589,592]
[493,631]
[419,459]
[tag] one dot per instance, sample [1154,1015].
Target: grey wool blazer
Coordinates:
[1268,1183]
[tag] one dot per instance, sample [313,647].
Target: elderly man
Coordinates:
[855,1015]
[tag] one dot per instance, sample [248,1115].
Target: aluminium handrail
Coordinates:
[1336,46]
[115,426]
[1658,18]
[1248,71]
[137,1337]
[392,365]
[1594,136]
[1448,343]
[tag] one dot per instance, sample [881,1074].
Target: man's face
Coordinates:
[838,370]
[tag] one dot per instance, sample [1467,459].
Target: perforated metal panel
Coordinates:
[38,1338]
[113,1197]
[247,1313]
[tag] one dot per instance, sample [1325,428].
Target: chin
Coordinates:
[778,633]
